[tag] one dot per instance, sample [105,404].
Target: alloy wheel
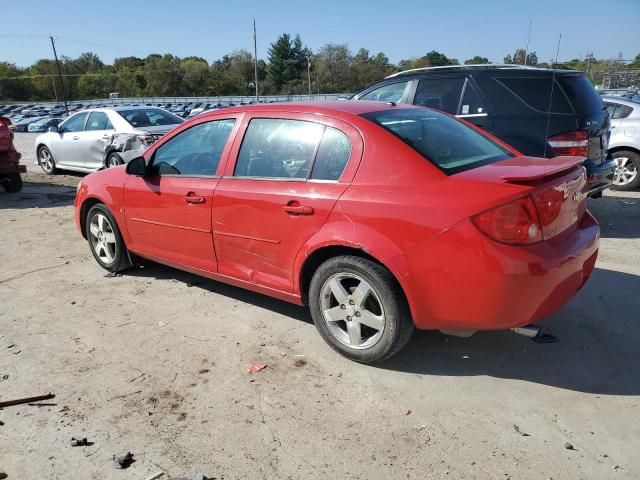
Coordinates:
[103,238]
[625,171]
[46,161]
[352,310]
[113,161]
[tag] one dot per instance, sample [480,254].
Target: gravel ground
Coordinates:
[154,362]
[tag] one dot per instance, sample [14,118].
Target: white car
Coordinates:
[101,138]
[624,144]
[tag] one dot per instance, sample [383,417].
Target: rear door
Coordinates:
[94,139]
[288,172]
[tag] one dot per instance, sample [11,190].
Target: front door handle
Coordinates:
[193,198]
[75,137]
[296,209]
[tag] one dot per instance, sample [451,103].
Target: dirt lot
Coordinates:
[154,362]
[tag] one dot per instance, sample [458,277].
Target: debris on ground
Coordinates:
[408,413]
[256,367]
[517,429]
[123,461]
[155,475]
[112,274]
[569,446]
[80,442]
[20,401]
[197,476]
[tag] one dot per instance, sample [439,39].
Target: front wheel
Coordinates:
[13,183]
[626,175]
[46,161]
[359,309]
[105,240]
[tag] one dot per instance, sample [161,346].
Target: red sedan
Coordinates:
[379,217]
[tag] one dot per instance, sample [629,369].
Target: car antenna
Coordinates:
[553,83]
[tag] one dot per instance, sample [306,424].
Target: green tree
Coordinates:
[518,58]
[477,60]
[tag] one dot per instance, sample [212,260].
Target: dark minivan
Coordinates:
[541,112]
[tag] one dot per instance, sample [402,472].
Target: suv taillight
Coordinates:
[5,121]
[515,223]
[570,143]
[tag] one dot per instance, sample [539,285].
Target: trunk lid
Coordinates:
[555,186]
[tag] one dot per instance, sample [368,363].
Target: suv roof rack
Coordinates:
[474,66]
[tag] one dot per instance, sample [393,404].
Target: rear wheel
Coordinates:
[114,160]
[626,175]
[12,183]
[46,161]
[105,240]
[359,309]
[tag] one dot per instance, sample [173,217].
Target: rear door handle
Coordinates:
[193,198]
[298,209]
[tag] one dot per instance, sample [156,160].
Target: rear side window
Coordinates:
[75,123]
[278,148]
[444,141]
[98,121]
[332,156]
[535,92]
[581,94]
[440,93]
[618,111]
[392,92]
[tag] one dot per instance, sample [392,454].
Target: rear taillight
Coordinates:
[570,143]
[515,223]
[548,204]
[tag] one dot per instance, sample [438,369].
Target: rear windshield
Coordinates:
[581,93]
[444,141]
[149,117]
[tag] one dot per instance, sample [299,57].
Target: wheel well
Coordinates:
[626,149]
[84,209]
[321,255]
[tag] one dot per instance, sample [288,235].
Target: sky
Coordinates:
[401,29]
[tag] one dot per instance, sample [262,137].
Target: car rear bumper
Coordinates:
[461,280]
[599,176]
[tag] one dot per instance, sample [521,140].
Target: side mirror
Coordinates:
[53,129]
[137,166]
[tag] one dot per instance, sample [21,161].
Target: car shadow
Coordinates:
[618,216]
[597,350]
[39,195]
[149,269]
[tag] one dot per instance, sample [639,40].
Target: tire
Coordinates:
[105,241]
[46,160]
[626,174]
[341,321]
[12,183]
[113,160]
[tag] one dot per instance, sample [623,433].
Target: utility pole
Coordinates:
[526,51]
[309,72]
[55,54]
[255,57]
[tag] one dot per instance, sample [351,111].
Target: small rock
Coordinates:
[568,446]
[123,461]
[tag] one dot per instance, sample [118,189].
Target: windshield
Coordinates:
[444,141]
[149,117]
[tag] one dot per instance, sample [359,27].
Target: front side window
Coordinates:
[193,152]
[439,93]
[471,103]
[278,148]
[387,93]
[75,123]
[98,121]
[149,117]
[444,141]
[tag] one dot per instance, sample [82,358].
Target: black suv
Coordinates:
[540,112]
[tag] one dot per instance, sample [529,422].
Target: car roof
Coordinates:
[323,107]
[479,67]
[624,101]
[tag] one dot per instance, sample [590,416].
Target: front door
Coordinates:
[287,178]
[168,211]
[65,144]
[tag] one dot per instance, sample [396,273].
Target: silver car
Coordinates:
[102,137]
[624,144]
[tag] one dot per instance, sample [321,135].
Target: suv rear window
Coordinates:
[536,91]
[581,93]
[444,141]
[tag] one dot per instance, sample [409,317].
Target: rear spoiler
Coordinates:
[552,166]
